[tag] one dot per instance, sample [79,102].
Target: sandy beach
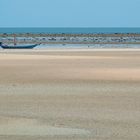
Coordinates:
[73,94]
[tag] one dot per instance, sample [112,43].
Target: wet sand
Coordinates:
[70,94]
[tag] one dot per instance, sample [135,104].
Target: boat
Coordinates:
[18,46]
[15,46]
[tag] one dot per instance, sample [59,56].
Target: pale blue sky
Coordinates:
[69,13]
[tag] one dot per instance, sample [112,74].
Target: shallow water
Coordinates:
[85,46]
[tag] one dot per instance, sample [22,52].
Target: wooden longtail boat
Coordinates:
[15,46]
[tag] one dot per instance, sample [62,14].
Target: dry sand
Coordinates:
[70,94]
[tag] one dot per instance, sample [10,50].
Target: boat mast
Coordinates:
[15,39]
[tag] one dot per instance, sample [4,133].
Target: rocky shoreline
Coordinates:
[72,38]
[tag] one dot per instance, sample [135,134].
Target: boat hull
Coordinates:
[19,47]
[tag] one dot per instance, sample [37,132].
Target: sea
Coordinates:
[69,30]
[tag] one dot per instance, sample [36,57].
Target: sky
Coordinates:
[69,13]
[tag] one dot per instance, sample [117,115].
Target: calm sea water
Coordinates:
[70,30]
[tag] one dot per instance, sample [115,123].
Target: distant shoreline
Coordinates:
[70,35]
